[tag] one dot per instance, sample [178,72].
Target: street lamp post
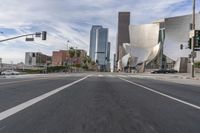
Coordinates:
[75,58]
[67,44]
[193,41]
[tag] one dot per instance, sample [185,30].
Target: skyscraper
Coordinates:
[123,33]
[108,52]
[108,67]
[93,40]
[114,63]
[99,45]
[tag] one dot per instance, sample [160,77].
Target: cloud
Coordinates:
[71,20]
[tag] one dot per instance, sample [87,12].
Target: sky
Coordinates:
[72,20]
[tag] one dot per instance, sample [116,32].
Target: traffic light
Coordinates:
[197,38]
[181,46]
[38,34]
[44,35]
[190,43]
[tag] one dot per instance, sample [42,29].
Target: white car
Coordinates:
[9,72]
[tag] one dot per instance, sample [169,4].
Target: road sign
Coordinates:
[29,39]
[192,33]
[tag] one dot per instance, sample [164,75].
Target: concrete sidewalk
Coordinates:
[182,78]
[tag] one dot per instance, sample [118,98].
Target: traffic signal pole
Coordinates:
[16,37]
[193,39]
[44,34]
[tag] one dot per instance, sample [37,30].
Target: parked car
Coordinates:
[9,72]
[164,71]
[172,71]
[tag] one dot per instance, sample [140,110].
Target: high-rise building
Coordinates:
[93,40]
[0,64]
[108,52]
[108,67]
[99,47]
[123,33]
[115,63]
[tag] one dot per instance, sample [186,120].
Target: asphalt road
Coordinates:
[99,103]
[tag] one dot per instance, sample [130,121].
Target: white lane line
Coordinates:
[33,79]
[12,82]
[100,75]
[18,108]
[123,76]
[162,94]
[111,76]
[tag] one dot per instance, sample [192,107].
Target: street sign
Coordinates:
[192,34]
[29,39]
[197,49]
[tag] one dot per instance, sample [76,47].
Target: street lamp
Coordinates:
[68,44]
[193,39]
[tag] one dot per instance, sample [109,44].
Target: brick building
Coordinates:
[59,57]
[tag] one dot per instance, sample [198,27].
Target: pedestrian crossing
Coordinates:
[120,76]
[111,76]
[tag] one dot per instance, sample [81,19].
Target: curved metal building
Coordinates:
[144,43]
[176,33]
[148,41]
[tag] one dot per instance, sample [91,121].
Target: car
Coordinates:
[172,71]
[164,71]
[158,71]
[9,72]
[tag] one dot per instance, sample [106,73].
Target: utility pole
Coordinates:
[67,44]
[162,31]
[193,39]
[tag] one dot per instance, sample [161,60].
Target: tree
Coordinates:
[71,52]
[78,53]
[89,59]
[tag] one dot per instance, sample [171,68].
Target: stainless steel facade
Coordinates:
[145,40]
[177,33]
[144,43]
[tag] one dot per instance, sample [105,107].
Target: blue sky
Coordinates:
[72,19]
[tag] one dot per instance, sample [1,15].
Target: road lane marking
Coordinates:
[12,82]
[111,76]
[123,76]
[162,94]
[33,79]
[20,107]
